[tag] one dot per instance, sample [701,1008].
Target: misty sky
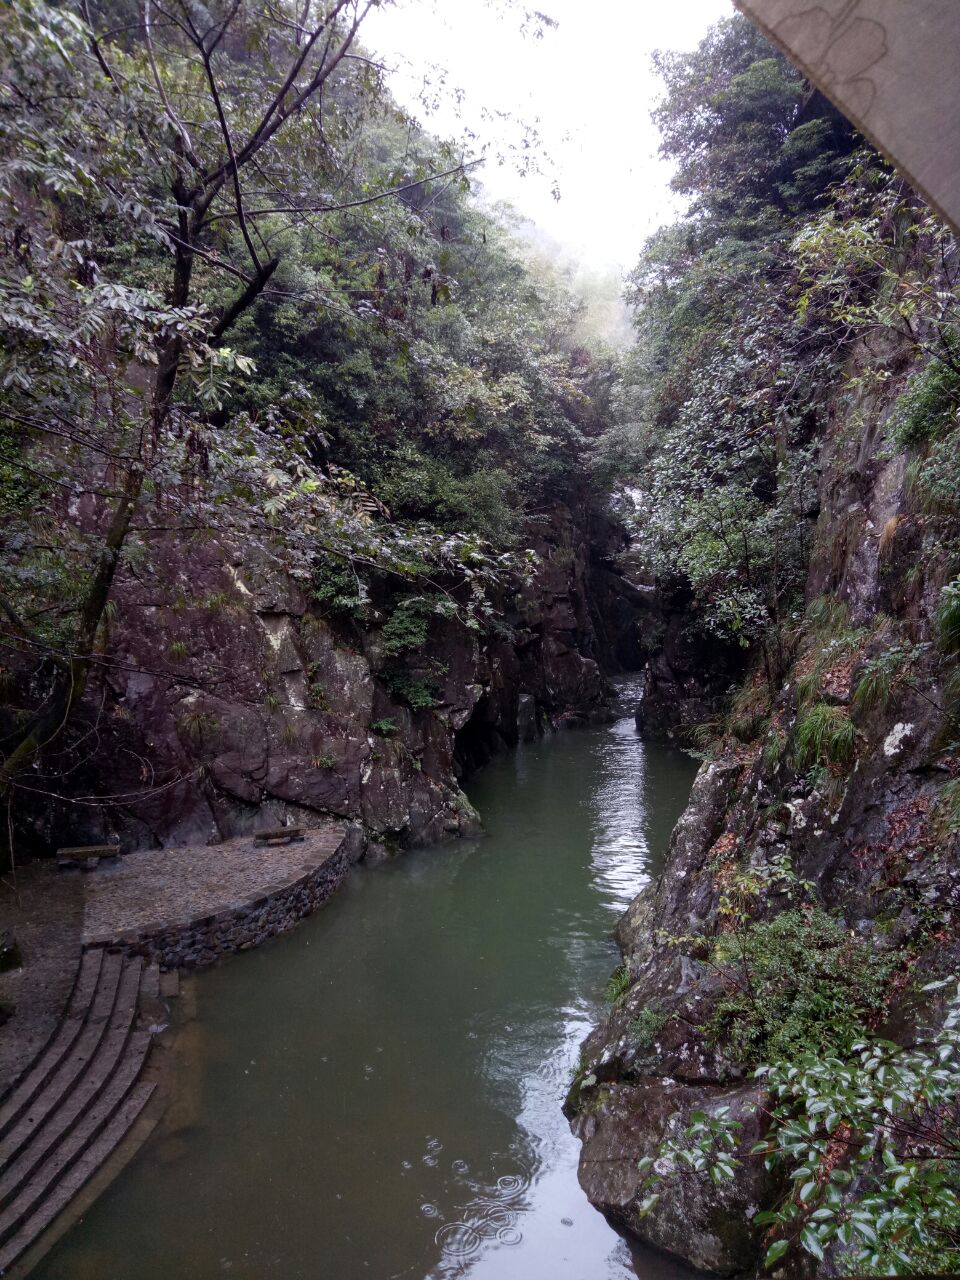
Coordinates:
[589,83]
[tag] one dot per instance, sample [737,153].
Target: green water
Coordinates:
[377,1094]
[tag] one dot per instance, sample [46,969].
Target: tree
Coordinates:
[153,160]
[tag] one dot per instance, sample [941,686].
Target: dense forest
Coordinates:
[302,446]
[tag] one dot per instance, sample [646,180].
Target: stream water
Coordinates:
[377,1093]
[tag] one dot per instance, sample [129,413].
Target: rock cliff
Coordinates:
[228,699]
[782,825]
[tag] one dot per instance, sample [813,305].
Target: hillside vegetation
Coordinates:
[247,301]
[784,1031]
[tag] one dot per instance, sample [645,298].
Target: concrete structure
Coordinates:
[891,68]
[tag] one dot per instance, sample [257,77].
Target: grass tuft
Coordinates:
[619,984]
[825,735]
[947,617]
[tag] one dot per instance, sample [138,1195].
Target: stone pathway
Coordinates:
[47,923]
[156,889]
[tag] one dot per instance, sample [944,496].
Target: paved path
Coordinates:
[47,922]
[164,888]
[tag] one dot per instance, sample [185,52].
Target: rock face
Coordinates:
[235,704]
[687,672]
[865,834]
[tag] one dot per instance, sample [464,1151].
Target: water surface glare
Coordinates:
[377,1094]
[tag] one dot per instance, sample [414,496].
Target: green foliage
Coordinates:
[903,1217]
[947,811]
[418,692]
[730,119]
[868,1142]
[177,650]
[216,602]
[775,748]
[716,409]
[646,1026]
[947,617]
[384,728]
[318,696]
[928,409]
[796,980]
[825,735]
[325,761]
[707,1146]
[619,984]
[338,590]
[419,387]
[405,630]
[749,711]
[881,675]
[827,616]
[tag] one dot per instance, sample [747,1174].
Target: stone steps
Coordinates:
[81,1172]
[60,1043]
[77,1101]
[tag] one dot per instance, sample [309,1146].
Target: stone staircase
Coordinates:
[77,1101]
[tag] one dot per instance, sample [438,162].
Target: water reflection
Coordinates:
[377,1094]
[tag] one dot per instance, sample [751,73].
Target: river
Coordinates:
[377,1093]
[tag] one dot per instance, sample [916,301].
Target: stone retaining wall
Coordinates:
[194,943]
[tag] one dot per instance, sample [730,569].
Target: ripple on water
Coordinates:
[511,1186]
[458,1239]
[489,1219]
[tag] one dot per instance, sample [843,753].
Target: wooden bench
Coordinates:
[86,855]
[280,835]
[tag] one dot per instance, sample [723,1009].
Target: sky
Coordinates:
[588,85]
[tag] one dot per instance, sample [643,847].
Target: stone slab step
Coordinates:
[37,1075]
[150,982]
[81,1171]
[114,1003]
[36,1144]
[83,1135]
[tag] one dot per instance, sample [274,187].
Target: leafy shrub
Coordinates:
[646,1026]
[383,728]
[825,735]
[417,692]
[929,406]
[796,980]
[406,629]
[868,1142]
[338,591]
[318,696]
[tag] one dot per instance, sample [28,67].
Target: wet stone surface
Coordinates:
[188,905]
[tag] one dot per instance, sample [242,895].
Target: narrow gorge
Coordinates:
[584,642]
